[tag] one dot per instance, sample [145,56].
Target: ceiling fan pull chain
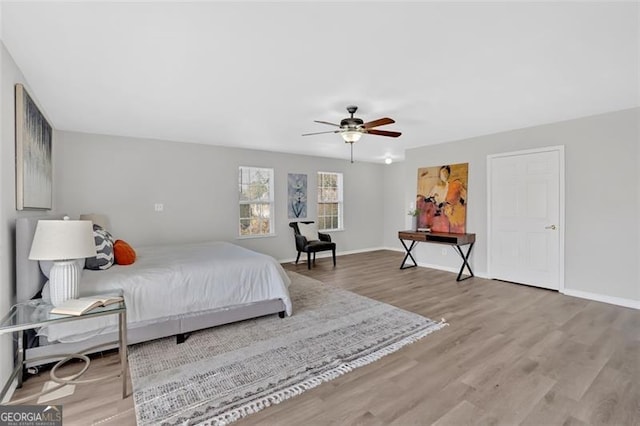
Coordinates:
[351,152]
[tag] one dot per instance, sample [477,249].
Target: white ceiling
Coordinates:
[256,75]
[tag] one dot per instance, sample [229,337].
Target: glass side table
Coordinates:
[36,313]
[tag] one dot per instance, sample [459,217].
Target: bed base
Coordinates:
[30,281]
[181,338]
[172,327]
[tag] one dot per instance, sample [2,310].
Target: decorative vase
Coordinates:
[414,223]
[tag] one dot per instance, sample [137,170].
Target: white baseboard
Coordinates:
[10,391]
[398,249]
[620,301]
[452,269]
[439,267]
[303,256]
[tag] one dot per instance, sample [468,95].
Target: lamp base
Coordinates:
[63,281]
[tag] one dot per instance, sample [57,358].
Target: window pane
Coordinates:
[254,228]
[245,211]
[244,193]
[244,226]
[242,177]
[329,200]
[255,184]
[255,187]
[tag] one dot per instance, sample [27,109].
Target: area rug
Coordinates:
[222,374]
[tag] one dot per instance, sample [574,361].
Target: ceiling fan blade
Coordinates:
[383,133]
[326,122]
[320,133]
[378,122]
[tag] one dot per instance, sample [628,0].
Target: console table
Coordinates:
[455,240]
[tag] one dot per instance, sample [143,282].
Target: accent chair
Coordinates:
[310,241]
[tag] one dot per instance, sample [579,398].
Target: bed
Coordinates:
[169,290]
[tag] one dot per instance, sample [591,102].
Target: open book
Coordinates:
[84,304]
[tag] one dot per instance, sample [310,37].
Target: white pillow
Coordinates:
[309,231]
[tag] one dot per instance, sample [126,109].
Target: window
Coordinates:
[329,201]
[256,201]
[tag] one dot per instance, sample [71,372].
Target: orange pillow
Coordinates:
[124,253]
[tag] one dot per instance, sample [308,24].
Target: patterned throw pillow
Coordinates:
[124,253]
[104,248]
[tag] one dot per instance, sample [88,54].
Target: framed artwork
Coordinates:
[441,200]
[34,137]
[297,196]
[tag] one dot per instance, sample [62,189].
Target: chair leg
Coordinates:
[297,258]
[308,260]
[314,258]
[334,256]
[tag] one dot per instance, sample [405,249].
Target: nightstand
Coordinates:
[34,314]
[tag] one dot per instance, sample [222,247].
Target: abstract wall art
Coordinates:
[33,154]
[297,196]
[442,198]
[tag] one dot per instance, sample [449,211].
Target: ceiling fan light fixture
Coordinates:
[352,128]
[351,136]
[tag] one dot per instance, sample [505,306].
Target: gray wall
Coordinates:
[10,74]
[198,184]
[395,208]
[602,197]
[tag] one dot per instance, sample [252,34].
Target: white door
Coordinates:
[526,217]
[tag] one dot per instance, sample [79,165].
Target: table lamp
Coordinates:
[63,241]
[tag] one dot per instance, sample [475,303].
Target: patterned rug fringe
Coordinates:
[284,394]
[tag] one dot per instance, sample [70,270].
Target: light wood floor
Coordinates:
[511,355]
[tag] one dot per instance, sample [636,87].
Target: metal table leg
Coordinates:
[18,372]
[408,250]
[122,325]
[20,360]
[465,263]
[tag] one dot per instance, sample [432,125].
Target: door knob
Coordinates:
[553,227]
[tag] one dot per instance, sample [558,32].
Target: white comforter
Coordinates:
[170,281]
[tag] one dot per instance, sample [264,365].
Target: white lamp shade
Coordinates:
[351,136]
[63,239]
[98,219]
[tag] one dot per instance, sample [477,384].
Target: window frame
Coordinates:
[270,202]
[340,202]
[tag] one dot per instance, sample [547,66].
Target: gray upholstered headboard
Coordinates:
[29,279]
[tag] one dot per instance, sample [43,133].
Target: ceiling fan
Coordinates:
[352,128]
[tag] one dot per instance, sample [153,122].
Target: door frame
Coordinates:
[561,171]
